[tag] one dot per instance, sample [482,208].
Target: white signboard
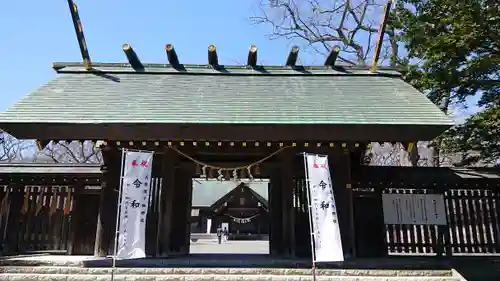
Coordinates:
[420,209]
[392,208]
[135,188]
[436,213]
[323,211]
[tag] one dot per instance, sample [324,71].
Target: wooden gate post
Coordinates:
[286,168]
[182,216]
[340,172]
[76,218]
[167,195]
[179,234]
[275,213]
[106,219]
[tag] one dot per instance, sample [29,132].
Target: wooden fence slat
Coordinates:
[471,217]
[4,199]
[452,220]
[427,237]
[412,235]
[480,223]
[491,231]
[46,221]
[464,225]
[404,232]
[471,234]
[496,218]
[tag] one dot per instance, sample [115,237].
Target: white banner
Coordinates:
[135,187]
[327,240]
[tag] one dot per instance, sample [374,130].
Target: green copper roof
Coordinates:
[207,192]
[115,93]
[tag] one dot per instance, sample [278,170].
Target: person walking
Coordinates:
[219,234]
[225,232]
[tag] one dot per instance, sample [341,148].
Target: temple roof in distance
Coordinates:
[199,94]
[207,192]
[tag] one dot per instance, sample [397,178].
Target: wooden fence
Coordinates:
[472,229]
[35,219]
[48,219]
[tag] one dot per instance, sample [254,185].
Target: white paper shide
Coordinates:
[134,204]
[326,231]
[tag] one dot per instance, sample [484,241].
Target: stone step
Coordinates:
[208,277]
[235,261]
[42,270]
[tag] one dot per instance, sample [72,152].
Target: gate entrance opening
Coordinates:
[237,210]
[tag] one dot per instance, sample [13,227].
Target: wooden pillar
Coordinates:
[179,234]
[167,195]
[106,219]
[340,170]
[188,196]
[288,233]
[275,214]
[76,218]
[303,229]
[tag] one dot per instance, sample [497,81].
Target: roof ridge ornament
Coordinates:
[252,56]
[332,57]
[292,56]
[79,35]
[172,57]
[380,38]
[132,57]
[212,56]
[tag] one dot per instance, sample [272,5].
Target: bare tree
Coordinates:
[11,149]
[73,152]
[350,24]
[15,150]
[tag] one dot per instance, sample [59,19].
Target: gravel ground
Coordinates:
[205,246]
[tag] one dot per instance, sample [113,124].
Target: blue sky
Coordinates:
[35,35]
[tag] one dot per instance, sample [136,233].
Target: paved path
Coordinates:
[205,246]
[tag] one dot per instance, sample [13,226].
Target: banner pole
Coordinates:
[117,227]
[308,195]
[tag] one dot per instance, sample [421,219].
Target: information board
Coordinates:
[419,209]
